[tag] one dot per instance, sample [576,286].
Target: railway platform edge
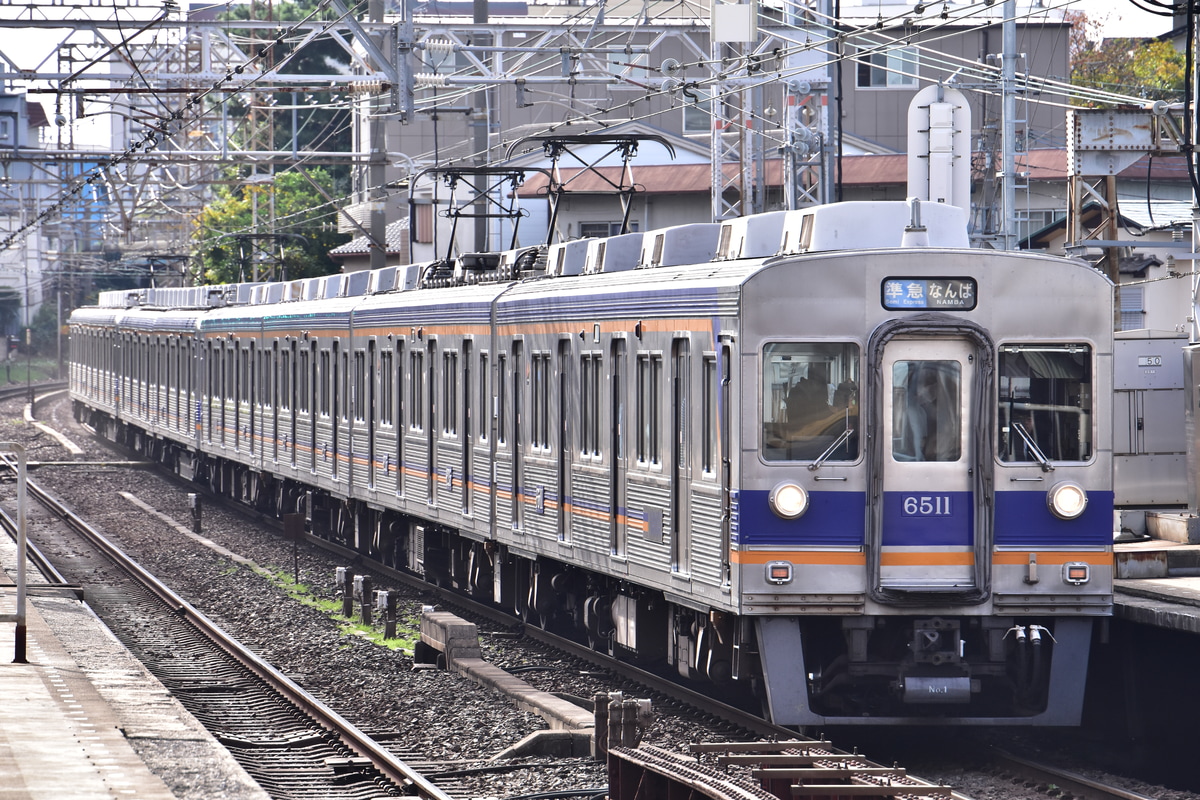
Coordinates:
[82,718]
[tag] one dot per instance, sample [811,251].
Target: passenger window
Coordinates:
[649,407]
[302,382]
[590,383]
[926,411]
[708,414]
[1045,394]
[810,401]
[539,406]
[450,392]
[484,412]
[387,404]
[501,399]
[416,383]
[326,380]
[360,386]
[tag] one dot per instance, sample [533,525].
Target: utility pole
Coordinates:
[480,119]
[733,34]
[377,163]
[1008,91]
[1194,132]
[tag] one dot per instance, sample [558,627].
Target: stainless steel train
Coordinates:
[833,458]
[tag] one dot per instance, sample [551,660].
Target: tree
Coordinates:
[301,225]
[44,329]
[1148,68]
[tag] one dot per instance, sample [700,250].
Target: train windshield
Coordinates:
[927,410]
[810,401]
[1045,394]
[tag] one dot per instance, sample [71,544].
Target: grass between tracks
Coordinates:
[407,629]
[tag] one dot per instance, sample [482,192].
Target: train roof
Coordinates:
[708,258]
[705,289]
[462,305]
[169,319]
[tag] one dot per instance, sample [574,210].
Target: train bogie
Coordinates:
[865,485]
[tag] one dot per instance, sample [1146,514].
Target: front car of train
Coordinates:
[924,524]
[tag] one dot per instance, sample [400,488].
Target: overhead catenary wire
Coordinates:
[168,128]
[880,40]
[875,38]
[886,42]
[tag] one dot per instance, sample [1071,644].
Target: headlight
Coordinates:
[1066,500]
[788,500]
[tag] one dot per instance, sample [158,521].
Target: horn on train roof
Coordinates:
[915,234]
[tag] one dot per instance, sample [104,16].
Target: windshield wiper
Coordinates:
[1032,445]
[836,444]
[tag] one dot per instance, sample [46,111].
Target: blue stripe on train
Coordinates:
[837,519]
[1023,520]
[941,519]
[833,519]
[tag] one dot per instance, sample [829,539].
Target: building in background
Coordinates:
[26,184]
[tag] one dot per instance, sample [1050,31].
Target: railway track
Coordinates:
[1057,782]
[17,391]
[294,745]
[657,773]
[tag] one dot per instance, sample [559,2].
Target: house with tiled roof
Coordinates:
[355,254]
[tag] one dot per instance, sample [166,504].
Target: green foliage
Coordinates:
[1146,68]
[407,630]
[44,329]
[227,246]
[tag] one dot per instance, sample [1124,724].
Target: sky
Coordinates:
[1123,18]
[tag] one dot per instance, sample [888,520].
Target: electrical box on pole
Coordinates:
[1101,142]
[733,32]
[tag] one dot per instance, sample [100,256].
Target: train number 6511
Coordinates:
[936,505]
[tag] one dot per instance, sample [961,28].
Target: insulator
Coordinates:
[670,66]
[429,80]
[438,46]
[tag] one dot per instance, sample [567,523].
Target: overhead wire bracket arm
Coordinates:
[482,181]
[382,62]
[556,146]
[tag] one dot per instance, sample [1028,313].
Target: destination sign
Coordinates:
[908,294]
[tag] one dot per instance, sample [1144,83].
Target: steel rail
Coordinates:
[16,391]
[38,558]
[1064,782]
[388,764]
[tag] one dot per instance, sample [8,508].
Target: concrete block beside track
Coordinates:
[458,640]
[450,635]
